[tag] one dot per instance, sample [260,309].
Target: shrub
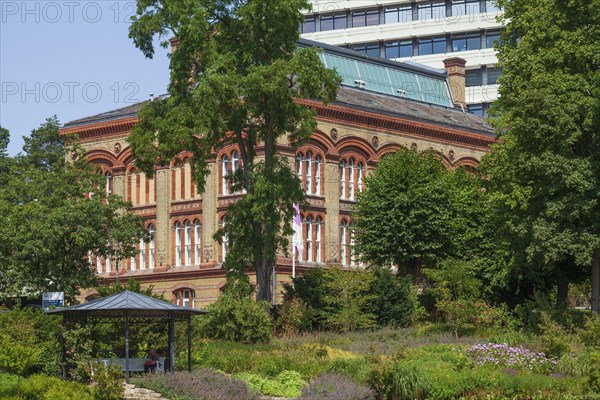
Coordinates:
[555,338]
[294,317]
[236,318]
[309,288]
[205,384]
[394,380]
[286,384]
[357,368]
[395,301]
[42,387]
[590,334]
[336,387]
[503,355]
[109,382]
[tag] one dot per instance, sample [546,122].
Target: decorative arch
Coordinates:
[442,157]
[323,141]
[468,162]
[356,144]
[388,148]
[104,157]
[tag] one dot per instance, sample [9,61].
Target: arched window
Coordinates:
[308,173]
[109,183]
[142,254]
[225,243]
[343,242]
[178,232]
[99,264]
[197,243]
[151,232]
[188,243]
[185,297]
[299,166]
[343,179]
[359,177]
[107,263]
[351,179]
[225,175]
[308,249]
[317,175]
[318,235]
[352,243]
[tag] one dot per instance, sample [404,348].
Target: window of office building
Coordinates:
[333,21]
[476,109]
[431,11]
[365,18]
[465,7]
[309,24]
[491,38]
[466,42]
[402,48]
[369,49]
[436,45]
[492,75]
[398,14]
[491,6]
[473,77]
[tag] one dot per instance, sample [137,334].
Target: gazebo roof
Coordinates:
[128,303]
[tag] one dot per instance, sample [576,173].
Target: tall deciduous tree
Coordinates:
[414,212]
[50,228]
[545,170]
[235,75]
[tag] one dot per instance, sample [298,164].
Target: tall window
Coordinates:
[107,263]
[132,264]
[185,297]
[344,242]
[225,175]
[197,255]
[99,264]
[188,243]
[178,232]
[225,243]
[491,38]
[402,48]
[151,232]
[109,183]
[431,11]
[142,254]
[492,75]
[473,77]
[491,6]
[351,178]
[308,170]
[318,240]
[365,18]
[435,45]
[398,14]
[333,21]
[308,249]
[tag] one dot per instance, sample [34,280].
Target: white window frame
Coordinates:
[318,175]
[197,242]
[318,246]
[142,254]
[351,179]
[152,233]
[178,229]
[225,171]
[343,242]
[309,239]
[342,179]
[188,243]
[308,171]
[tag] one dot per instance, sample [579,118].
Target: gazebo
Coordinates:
[135,307]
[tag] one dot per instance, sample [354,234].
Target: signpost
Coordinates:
[53,299]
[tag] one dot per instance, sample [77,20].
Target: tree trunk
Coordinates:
[562,291]
[596,281]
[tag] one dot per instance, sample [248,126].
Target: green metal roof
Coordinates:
[387,77]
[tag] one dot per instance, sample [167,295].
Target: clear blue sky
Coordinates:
[70,58]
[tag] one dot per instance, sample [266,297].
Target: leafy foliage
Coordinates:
[50,227]
[394,380]
[236,317]
[430,213]
[543,172]
[235,77]
[286,384]
[336,387]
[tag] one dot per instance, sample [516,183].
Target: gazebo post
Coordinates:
[171,341]
[127,346]
[189,324]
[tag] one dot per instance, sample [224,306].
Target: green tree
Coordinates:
[544,171]
[235,77]
[415,212]
[51,227]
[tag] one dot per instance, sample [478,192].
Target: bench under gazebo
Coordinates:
[134,307]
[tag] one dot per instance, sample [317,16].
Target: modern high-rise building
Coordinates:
[424,32]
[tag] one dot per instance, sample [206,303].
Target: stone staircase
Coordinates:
[133,393]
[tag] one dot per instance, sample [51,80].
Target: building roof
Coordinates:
[377,85]
[135,304]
